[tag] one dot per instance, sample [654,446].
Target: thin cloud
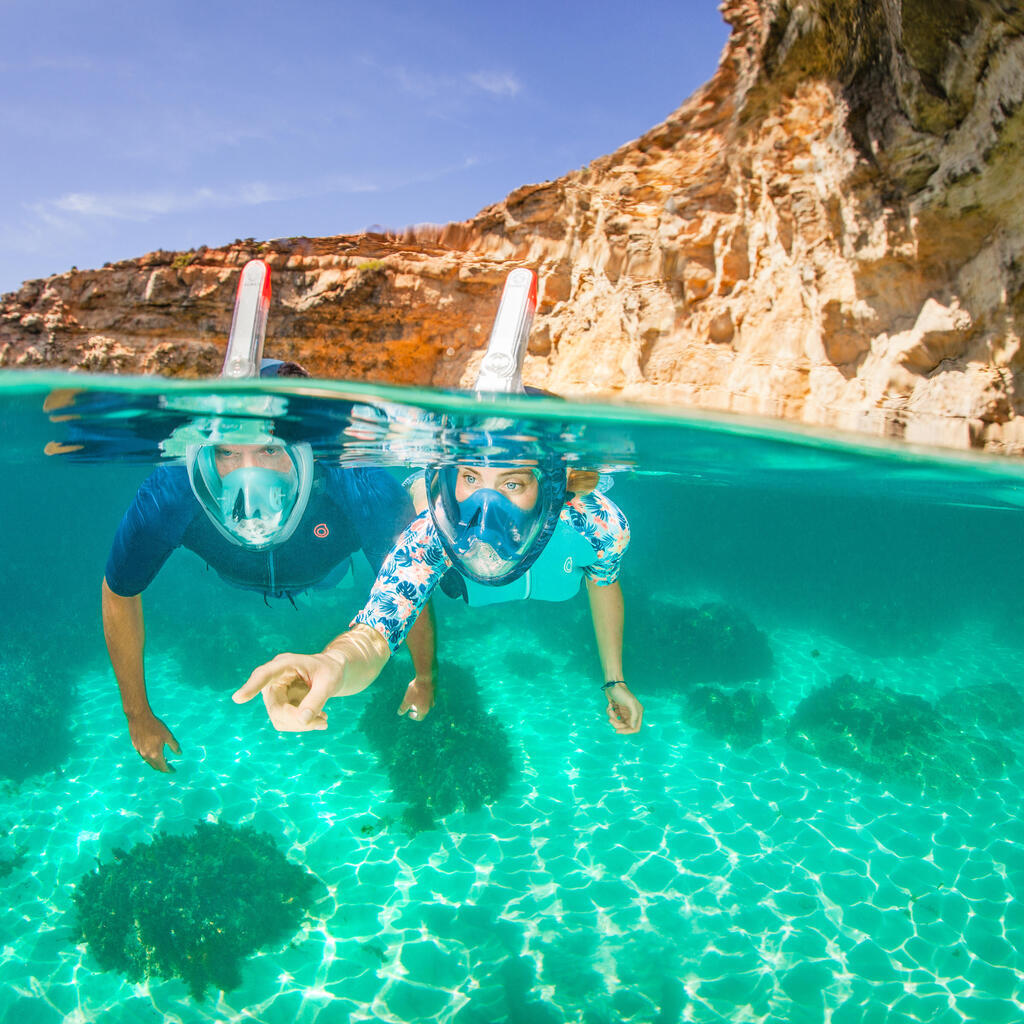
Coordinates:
[145,206]
[498,83]
[70,64]
[425,84]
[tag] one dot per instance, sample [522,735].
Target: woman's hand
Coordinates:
[296,687]
[625,712]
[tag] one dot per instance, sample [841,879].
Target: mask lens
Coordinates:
[253,502]
[487,533]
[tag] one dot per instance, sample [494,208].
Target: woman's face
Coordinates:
[519,485]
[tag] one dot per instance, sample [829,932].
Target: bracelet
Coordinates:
[614,682]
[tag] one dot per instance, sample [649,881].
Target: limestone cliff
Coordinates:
[829,231]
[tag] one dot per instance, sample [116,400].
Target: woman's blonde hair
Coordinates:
[582,481]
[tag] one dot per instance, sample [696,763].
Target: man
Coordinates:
[267,517]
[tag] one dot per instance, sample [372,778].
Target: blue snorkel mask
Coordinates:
[259,504]
[491,533]
[252,486]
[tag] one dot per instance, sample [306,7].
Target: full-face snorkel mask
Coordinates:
[252,486]
[492,533]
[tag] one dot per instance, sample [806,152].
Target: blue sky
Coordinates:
[128,127]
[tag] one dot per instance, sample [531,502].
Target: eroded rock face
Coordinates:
[828,231]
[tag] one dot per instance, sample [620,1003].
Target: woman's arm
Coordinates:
[607,609]
[296,687]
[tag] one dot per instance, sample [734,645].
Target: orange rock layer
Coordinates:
[829,231]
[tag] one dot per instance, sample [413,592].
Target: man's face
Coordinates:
[228,458]
[517,484]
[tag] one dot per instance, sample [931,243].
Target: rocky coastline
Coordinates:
[829,231]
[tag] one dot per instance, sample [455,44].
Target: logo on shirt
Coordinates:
[567,564]
[320,530]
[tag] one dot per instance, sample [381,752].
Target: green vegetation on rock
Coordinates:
[191,907]
[738,717]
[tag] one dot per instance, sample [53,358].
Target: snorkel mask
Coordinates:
[252,486]
[495,510]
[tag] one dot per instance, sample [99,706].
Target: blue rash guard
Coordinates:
[348,510]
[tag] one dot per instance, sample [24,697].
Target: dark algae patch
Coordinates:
[35,735]
[738,716]
[712,643]
[12,856]
[457,759]
[989,705]
[894,738]
[191,906]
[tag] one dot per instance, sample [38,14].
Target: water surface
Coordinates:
[681,874]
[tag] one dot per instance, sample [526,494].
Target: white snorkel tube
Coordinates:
[255,501]
[248,322]
[501,371]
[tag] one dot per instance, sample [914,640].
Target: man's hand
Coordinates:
[418,699]
[149,735]
[295,688]
[625,712]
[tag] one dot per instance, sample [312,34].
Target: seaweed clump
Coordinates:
[894,738]
[10,862]
[995,705]
[191,906]
[457,759]
[738,717]
[35,734]
[713,643]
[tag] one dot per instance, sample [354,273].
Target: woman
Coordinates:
[512,526]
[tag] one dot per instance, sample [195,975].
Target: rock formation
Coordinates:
[829,231]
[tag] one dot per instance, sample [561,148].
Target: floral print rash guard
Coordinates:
[418,561]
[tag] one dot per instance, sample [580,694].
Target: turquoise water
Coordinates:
[668,876]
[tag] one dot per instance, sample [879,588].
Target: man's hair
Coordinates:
[287,369]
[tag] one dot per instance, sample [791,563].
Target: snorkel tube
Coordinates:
[489,537]
[501,371]
[256,503]
[248,322]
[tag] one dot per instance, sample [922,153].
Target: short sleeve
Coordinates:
[151,529]
[602,523]
[405,582]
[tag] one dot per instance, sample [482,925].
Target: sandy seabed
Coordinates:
[657,878]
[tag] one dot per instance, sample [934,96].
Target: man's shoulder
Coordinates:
[166,494]
[361,487]
[169,483]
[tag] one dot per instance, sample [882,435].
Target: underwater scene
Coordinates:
[818,821]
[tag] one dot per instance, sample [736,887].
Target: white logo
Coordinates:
[567,564]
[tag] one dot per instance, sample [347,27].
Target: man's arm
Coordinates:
[607,609]
[125,633]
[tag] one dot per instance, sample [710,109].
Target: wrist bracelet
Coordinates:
[614,682]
